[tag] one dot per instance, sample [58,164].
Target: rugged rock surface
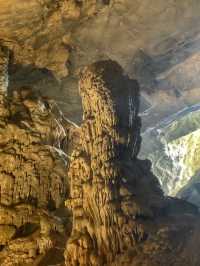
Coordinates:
[119,213]
[156,41]
[33,180]
[39,32]
[48,41]
[101,200]
[120,216]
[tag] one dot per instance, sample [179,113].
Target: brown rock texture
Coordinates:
[116,213]
[39,32]
[50,40]
[119,212]
[120,216]
[33,180]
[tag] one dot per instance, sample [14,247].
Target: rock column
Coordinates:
[102,198]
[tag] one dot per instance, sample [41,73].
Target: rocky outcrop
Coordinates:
[33,180]
[116,203]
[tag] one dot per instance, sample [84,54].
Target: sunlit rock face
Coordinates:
[120,216]
[173,147]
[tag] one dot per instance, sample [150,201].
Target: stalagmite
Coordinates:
[113,121]
[120,216]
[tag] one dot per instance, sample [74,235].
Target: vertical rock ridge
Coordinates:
[104,176]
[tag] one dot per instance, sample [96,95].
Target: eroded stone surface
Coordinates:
[39,32]
[120,216]
[100,199]
[33,180]
[113,196]
[156,41]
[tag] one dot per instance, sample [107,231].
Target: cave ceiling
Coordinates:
[156,42]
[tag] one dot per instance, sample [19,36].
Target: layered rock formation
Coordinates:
[33,180]
[120,216]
